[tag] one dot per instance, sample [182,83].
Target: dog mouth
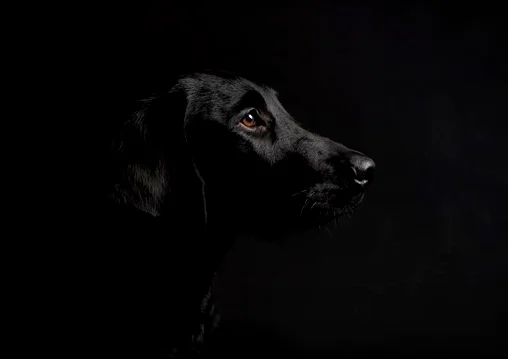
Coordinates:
[325,203]
[312,208]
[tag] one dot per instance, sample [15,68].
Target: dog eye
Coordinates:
[251,119]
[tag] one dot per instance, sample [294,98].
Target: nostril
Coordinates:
[369,172]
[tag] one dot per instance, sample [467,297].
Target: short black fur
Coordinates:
[187,178]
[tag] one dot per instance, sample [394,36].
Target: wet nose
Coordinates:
[363,168]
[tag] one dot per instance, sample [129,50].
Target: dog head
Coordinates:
[253,167]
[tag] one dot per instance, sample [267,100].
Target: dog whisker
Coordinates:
[328,230]
[305,190]
[303,207]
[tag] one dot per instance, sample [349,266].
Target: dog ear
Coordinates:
[155,171]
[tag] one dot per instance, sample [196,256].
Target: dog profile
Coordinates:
[193,168]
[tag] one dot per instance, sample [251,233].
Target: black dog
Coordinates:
[193,168]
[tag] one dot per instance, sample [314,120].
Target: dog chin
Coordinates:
[320,213]
[316,214]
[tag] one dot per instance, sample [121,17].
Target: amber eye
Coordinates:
[250,119]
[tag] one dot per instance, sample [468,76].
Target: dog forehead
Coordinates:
[273,104]
[205,87]
[206,90]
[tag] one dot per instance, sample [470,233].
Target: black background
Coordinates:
[422,267]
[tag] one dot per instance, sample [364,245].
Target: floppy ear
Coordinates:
[155,172]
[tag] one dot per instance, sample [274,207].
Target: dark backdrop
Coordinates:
[422,267]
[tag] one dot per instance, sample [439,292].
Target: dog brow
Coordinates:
[274,92]
[251,98]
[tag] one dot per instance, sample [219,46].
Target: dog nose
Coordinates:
[363,168]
